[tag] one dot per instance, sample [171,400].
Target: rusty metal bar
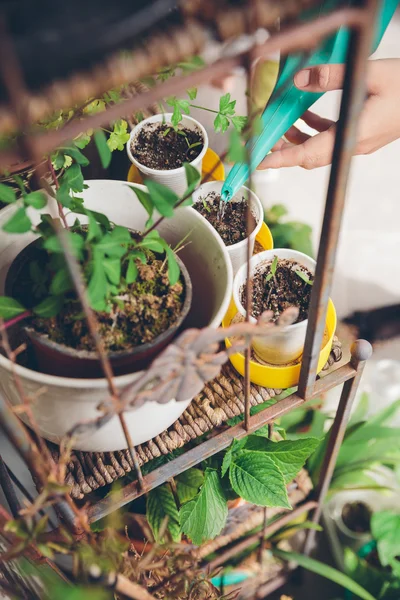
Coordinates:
[296,37]
[361,351]
[8,489]
[213,445]
[354,89]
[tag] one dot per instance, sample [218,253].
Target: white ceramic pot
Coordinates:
[175,179]
[286,344]
[237,252]
[60,402]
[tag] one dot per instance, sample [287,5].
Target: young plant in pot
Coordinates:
[136,284]
[279,279]
[230,219]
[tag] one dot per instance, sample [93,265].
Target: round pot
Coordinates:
[175,179]
[349,537]
[59,359]
[237,252]
[63,402]
[286,344]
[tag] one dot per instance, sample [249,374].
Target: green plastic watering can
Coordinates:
[284,109]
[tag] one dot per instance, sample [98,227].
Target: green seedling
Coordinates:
[208,209]
[166,132]
[304,277]
[272,270]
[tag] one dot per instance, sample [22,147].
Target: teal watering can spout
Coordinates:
[287,103]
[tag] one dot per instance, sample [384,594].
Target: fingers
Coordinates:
[321,78]
[295,136]
[314,152]
[316,122]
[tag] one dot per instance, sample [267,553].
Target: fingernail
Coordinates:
[302,78]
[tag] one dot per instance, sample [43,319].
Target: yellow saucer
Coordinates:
[210,159]
[277,376]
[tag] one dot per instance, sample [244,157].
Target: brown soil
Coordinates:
[147,308]
[231,225]
[159,146]
[357,517]
[285,289]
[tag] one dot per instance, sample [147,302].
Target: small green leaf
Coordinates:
[36,199]
[176,116]
[76,243]
[102,148]
[221,123]
[18,223]
[257,479]
[162,197]
[10,308]
[239,123]
[303,276]
[192,93]
[73,178]
[112,268]
[204,517]
[160,504]
[144,199]
[49,307]
[192,177]
[224,102]
[7,194]
[75,153]
[119,136]
[385,527]
[188,484]
[61,282]
[63,195]
[173,267]
[115,242]
[132,271]
[97,288]
[166,132]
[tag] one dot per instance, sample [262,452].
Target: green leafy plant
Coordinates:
[272,270]
[304,277]
[288,234]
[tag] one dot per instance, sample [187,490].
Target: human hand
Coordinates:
[379,123]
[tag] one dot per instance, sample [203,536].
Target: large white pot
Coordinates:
[286,344]
[237,252]
[64,402]
[175,179]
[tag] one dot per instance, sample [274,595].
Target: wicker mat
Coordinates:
[220,400]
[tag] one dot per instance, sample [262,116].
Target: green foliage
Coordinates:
[204,517]
[188,484]
[304,277]
[10,308]
[160,505]
[119,135]
[272,269]
[379,582]
[179,106]
[102,148]
[385,528]
[288,234]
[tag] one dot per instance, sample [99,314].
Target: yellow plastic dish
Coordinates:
[264,237]
[210,159]
[279,376]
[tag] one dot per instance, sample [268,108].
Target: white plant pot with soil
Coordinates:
[232,225]
[151,151]
[286,344]
[63,402]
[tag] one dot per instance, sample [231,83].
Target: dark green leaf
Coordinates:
[7,194]
[102,148]
[144,199]
[36,199]
[161,504]
[61,282]
[385,527]
[18,223]
[75,241]
[73,178]
[257,479]
[10,308]
[76,154]
[173,267]
[49,307]
[82,141]
[63,196]
[192,177]
[152,244]
[204,517]
[188,483]
[97,288]
[112,267]
[162,197]
[94,229]
[132,271]
[115,242]
[325,571]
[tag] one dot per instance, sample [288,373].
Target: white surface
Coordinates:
[175,179]
[64,402]
[237,252]
[286,343]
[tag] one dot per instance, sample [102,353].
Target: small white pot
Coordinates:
[175,179]
[237,252]
[62,402]
[287,343]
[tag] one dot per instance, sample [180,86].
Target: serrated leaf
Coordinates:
[73,178]
[192,93]
[10,308]
[221,123]
[224,102]
[188,484]
[132,271]
[36,199]
[18,223]
[144,199]
[257,479]
[112,268]
[239,123]
[83,140]
[61,282]
[160,504]
[102,148]
[385,528]
[162,197]
[49,307]
[7,194]
[288,455]
[204,517]
[119,136]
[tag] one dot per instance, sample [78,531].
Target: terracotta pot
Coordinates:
[58,359]
[62,402]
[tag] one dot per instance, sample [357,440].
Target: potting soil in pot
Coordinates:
[159,146]
[231,223]
[290,285]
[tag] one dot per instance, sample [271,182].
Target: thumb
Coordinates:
[322,78]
